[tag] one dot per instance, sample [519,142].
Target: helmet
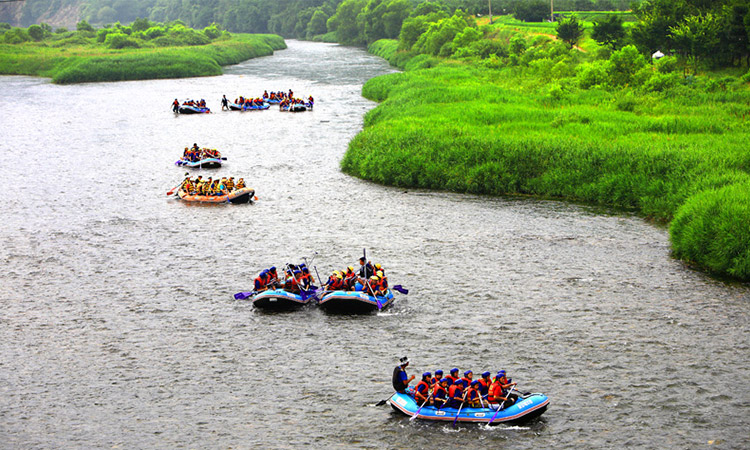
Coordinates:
[379,274]
[474,383]
[351,269]
[378,266]
[455,369]
[466,374]
[373,277]
[426,374]
[438,372]
[485,374]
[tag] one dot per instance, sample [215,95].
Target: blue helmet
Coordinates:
[272,269]
[475,382]
[455,369]
[466,374]
[438,372]
[426,374]
[485,374]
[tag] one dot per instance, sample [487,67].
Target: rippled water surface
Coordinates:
[119,329]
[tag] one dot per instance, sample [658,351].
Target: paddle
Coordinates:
[174,189]
[381,402]
[459,410]
[420,408]
[244,295]
[501,407]
[399,288]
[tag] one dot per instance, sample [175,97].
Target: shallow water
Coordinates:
[119,328]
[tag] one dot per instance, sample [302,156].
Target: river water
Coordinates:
[119,329]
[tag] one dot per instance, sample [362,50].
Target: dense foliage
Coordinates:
[143,50]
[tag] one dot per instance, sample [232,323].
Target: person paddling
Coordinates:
[400,379]
[422,389]
[440,393]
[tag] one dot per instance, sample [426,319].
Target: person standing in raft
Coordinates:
[400,379]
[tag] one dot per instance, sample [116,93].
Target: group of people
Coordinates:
[369,278]
[297,278]
[280,95]
[195,153]
[209,186]
[242,101]
[291,102]
[453,391]
[198,104]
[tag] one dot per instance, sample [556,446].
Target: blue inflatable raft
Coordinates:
[207,163]
[527,407]
[354,301]
[280,299]
[187,109]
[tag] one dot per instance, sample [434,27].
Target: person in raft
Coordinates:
[400,379]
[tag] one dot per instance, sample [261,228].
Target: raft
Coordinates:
[206,163]
[279,299]
[187,109]
[293,108]
[256,107]
[354,302]
[527,407]
[238,196]
[273,101]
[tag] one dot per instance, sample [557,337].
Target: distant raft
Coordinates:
[243,195]
[527,407]
[188,109]
[297,107]
[205,163]
[279,299]
[248,107]
[354,302]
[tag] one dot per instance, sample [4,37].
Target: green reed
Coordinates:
[681,154]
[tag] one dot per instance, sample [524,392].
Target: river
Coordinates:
[119,328]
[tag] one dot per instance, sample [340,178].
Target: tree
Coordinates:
[317,24]
[735,37]
[609,32]
[36,32]
[84,26]
[532,11]
[344,22]
[569,30]
[696,37]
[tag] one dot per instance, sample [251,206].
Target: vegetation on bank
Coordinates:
[498,110]
[143,50]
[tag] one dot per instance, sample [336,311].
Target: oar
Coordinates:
[463,399]
[244,295]
[420,408]
[381,402]
[174,189]
[400,289]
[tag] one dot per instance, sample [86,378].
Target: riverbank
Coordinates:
[88,62]
[677,155]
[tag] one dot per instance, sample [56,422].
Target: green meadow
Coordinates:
[82,58]
[551,122]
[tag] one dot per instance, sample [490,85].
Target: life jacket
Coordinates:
[423,388]
[230,185]
[467,382]
[398,385]
[456,394]
[484,386]
[439,392]
[260,282]
[472,396]
[495,392]
[451,380]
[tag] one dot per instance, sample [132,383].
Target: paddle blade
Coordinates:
[243,295]
[400,289]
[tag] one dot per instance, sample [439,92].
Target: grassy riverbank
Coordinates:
[83,59]
[673,149]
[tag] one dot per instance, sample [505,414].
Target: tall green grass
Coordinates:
[86,63]
[460,127]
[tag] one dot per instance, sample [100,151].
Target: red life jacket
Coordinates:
[452,379]
[496,391]
[439,392]
[485,383]
[455,392]
[422,387]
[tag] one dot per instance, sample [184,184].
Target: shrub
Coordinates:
[101,35]
[592,74]
[120,40]
[624,63]
[661,82]
[84,26]
[212,32]
[36,32]
[16,36]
